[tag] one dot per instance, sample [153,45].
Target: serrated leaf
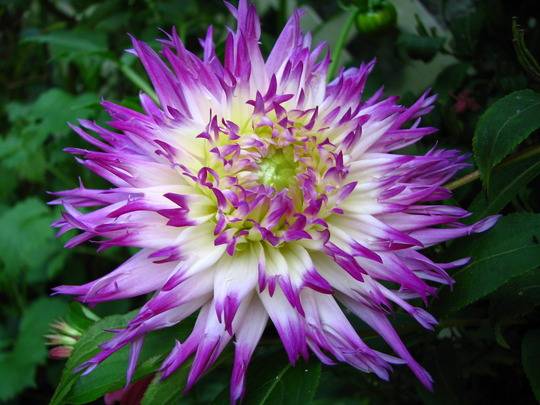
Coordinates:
[22,153]
[110,375]
[505,184]
[23,150]
[55,108]
[51,111]
[501,254]
[530,357]
[504,125]
[27,240]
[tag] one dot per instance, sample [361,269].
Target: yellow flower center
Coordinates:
[278,169]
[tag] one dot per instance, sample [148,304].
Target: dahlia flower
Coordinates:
[257,191]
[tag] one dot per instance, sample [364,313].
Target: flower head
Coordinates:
[256,190]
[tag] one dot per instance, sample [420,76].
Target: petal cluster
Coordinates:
[257,191]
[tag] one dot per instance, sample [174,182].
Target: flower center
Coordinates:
[278,169]
[276,178]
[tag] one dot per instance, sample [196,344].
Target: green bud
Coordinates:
[376,17]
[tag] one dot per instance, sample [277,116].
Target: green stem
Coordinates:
[470,177]
[138,81]
[525,154]
[340,44]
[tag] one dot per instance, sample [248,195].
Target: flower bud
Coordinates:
[376,17]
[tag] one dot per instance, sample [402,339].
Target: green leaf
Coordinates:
[80,317]
[505,184]
[8,184]
[505,252]
[21,152]
[171,390]
[27,241]
[110,375]
[518,297]
[138,81]
[14,376]
[168,391]
[83,350]
[272,380]
[504,125]
[510,305]
[35,324]
[73,41]
[530,357]
[23,149]
[52,110]
[18,367]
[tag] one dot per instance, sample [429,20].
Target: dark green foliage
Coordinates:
[274,381]
[504,125]
[110,376]
[18,365]
[497,257]
[530,354]
[59,58]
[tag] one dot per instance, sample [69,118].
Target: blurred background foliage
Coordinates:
[59,58]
